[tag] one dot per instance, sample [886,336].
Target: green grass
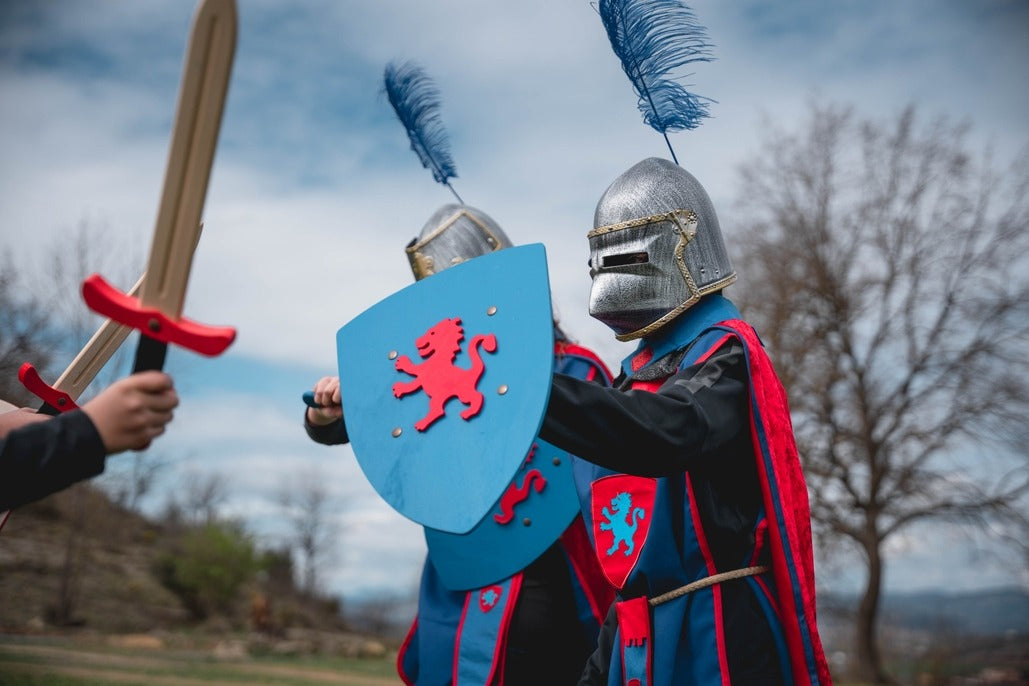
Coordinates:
[65,662]
[41,680]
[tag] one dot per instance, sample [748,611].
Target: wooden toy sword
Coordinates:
[157,312]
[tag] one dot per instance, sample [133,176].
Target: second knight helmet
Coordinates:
[453,234]
[655,249]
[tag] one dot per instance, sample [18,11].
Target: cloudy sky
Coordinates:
[315,192]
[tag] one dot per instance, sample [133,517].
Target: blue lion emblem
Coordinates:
[622,524]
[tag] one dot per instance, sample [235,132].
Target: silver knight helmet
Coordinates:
[453,234]
[655,249]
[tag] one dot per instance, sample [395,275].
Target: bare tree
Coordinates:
[87,249]
[202,496]
[128,486]
[26,334]
[307,508]
[44,321]
[885,267]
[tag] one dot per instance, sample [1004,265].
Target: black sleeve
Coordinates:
[45,457]
[697,410]
[327,434]
[594,673]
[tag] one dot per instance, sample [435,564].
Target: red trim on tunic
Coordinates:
[716,590]
[640,359]
[583,560]
[460,632]
[574,349]
[403,650]
[500,652]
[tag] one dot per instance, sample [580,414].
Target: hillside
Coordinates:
[76,562]
[75,551]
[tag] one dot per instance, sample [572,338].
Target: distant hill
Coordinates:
[983,613]
[994,612]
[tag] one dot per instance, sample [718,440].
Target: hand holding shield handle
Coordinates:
[324,402]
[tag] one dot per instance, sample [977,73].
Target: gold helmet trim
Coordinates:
[424,265]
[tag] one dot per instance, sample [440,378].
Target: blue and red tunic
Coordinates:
[537,626]
[689,470]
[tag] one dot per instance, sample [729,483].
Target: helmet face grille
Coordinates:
[655,249]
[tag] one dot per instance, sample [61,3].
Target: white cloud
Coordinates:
[314,192]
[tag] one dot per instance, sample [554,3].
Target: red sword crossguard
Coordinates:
[105,299]
[54,400]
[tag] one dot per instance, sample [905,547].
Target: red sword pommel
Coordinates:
[34,384]
[105,299]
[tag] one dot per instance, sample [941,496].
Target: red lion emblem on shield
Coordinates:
[438,376]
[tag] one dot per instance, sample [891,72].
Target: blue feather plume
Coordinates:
[416,101]
[655,39]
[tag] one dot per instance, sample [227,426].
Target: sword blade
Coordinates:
[198,117]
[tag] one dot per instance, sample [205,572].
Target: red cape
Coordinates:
[786,506]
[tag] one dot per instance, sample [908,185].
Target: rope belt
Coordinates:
[707,581]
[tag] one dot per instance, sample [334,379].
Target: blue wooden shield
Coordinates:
[444,385]
[536,507]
